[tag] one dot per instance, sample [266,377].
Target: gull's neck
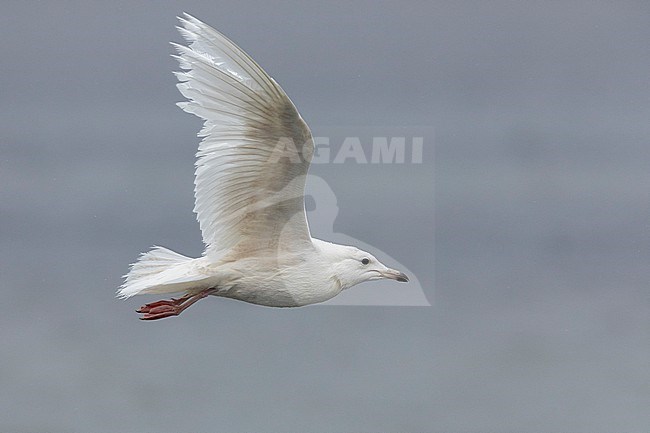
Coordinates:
[331,257]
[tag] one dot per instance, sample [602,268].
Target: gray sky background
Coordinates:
[527,225]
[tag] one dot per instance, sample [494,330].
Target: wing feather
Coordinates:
[256,149]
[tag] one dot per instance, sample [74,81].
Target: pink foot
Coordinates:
[173,307]
[172,303]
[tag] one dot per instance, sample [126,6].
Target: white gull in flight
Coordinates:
[249,190]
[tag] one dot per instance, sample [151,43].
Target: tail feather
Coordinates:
[153,272]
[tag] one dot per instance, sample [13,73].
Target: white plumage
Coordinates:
[249,189]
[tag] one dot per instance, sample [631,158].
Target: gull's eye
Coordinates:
[365,261]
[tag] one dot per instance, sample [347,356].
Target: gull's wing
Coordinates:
[256,149]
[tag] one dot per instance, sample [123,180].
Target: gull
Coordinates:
[250,176]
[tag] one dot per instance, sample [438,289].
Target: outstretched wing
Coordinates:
[255,152]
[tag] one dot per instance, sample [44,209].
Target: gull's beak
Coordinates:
[394,275]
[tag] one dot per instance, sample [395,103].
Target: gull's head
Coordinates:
[353,266]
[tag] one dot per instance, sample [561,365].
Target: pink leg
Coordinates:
[173,307]
[172,302]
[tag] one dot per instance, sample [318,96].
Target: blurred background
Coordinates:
[527,224]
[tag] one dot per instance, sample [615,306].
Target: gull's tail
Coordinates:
[159,271]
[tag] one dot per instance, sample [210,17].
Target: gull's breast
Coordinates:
[286,288]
